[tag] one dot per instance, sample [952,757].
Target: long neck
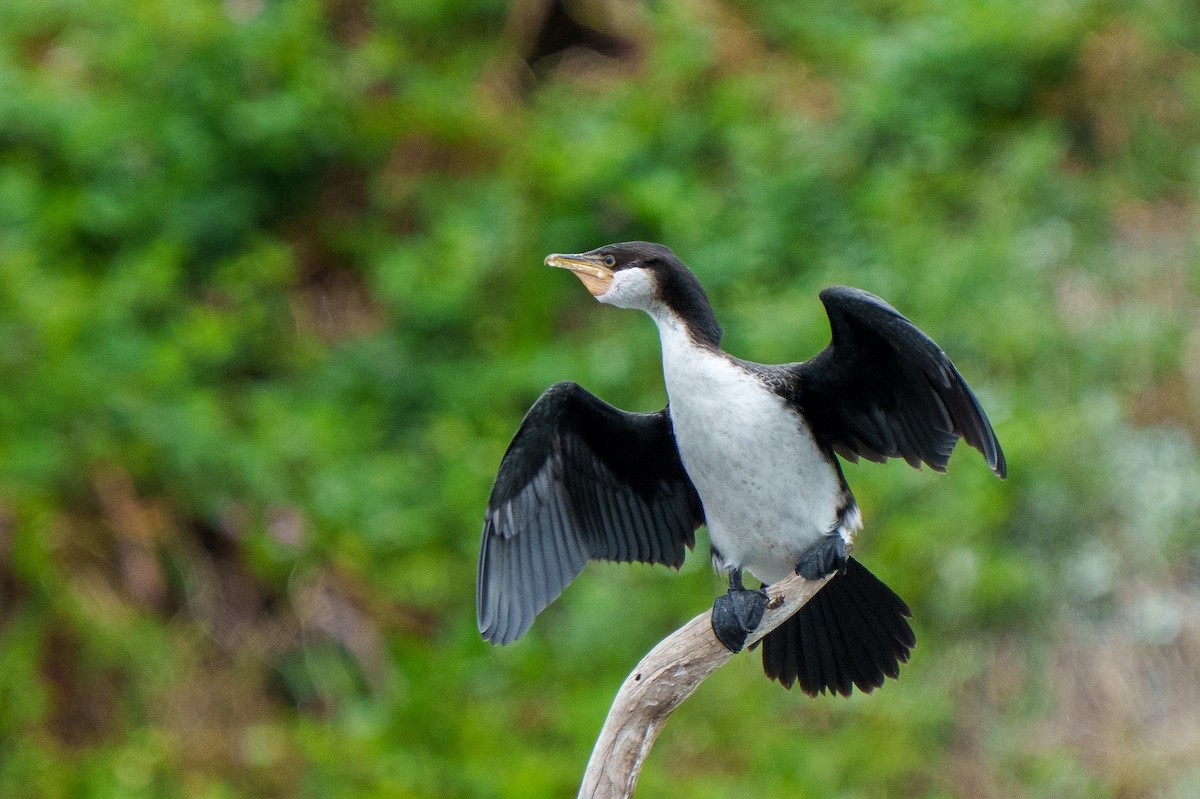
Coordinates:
[676,332]
[684,354]
[683,298]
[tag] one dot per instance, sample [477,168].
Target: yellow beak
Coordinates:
[591,271]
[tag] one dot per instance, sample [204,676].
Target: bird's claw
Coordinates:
[736,614]
[825,558]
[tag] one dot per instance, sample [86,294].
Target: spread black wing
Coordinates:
[883,389]
[581,480]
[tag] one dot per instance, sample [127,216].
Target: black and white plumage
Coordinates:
[748,449]
[581,480]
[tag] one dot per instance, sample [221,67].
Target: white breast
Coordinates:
[769,493]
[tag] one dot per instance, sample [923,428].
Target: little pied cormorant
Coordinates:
[746,448]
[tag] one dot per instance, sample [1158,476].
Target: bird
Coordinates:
[749,450]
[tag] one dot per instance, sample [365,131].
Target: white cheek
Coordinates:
[630,289]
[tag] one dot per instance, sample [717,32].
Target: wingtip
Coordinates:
[993,457]
[491,636]
[992,453]
[499,632]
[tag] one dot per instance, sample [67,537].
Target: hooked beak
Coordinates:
[591,271]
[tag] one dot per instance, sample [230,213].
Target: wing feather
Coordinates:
[581,480]
[883,389]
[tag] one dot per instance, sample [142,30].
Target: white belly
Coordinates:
[769,493]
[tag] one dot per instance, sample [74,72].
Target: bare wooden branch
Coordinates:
[665,677]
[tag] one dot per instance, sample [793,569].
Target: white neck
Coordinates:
[688,367]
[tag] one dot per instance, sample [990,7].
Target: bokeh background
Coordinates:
[272,304]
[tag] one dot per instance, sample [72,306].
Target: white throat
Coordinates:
[631,288]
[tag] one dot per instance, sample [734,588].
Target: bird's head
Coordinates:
[625,275]
[646,276]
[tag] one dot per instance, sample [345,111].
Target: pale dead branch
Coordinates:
[665,677]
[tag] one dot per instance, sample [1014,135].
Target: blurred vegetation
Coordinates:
[272,303]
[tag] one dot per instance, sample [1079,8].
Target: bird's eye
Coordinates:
[610,261]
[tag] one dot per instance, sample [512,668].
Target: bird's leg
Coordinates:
[736,614]
[827,557]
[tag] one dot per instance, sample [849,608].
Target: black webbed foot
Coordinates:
[736,614]
[825,558]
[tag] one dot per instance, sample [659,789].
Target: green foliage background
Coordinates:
[272,303]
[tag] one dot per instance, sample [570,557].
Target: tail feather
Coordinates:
[820,659]
[885,612]
[883,632]
[854,632]
[865,638]
[843,672]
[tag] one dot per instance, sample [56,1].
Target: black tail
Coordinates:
[853,632]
